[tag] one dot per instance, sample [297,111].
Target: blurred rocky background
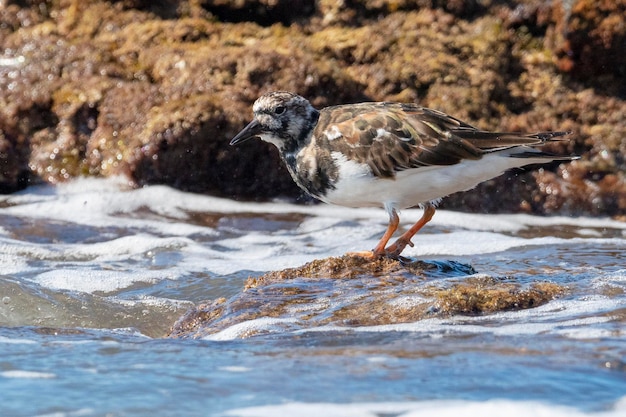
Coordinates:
[154,90]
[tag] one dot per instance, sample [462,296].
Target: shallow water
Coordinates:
[93,275]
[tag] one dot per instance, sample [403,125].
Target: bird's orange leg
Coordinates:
[394,221]
[379,250]
[394,250]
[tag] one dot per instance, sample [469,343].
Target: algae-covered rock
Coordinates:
[356,291]
[155,90]
[595,39]
[11,161]
[484,294]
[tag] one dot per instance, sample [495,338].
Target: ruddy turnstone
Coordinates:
[390,155]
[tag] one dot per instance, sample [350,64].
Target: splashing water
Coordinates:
[94,274]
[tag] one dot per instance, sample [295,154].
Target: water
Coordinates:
[93,274]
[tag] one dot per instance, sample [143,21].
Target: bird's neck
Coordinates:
[311,167]
[293,143]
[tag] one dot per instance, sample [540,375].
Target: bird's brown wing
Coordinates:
[391,137]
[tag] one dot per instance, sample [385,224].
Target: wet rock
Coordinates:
[11,161]
[362,12]
[595,39]
[155,90]
[263,12]
[355,291]
[484,294]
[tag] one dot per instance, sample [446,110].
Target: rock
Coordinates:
[595,39]
[355,291]
[11,161]
[155,90]
[263,12]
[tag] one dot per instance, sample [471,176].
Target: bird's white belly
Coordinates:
[358,187]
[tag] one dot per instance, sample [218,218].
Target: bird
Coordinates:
[387,154]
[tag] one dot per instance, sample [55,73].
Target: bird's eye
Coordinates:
[279,110]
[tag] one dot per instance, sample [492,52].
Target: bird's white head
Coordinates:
[284,119]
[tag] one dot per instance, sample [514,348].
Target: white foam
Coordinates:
[248,328]
[105,266]
[517,222]
[97,202]
[614,279]
[89,280]
[571,318]
[235,369]
[509,324]
[438,408]
[10,263]
[8,340]
[27,374]
[159,219]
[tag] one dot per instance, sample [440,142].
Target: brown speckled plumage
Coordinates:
[392,155]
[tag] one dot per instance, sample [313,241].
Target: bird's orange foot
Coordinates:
[372,254]
[391,252]
[368,254]
[396,249]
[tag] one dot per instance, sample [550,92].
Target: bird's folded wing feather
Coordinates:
[391,137]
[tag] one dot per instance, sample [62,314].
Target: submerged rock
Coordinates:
[355,291]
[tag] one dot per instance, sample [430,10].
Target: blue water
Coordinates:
[96,372]
[88,296]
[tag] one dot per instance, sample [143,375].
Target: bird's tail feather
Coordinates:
[495,141]
[531,153]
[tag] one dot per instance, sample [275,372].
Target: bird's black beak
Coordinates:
[253,129]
